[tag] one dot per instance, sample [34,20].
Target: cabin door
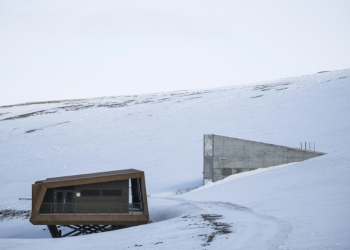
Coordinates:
[64,201]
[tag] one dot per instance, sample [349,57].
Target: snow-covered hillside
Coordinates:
[297,206]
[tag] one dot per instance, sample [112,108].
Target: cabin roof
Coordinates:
[91,178]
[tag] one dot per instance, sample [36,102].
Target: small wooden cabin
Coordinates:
[116,198]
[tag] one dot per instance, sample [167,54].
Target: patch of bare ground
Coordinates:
[330,80]
[74,107]
[95,103]
[44,102]
[196,97]
[256,96]
[30,114]
[33,130]
[8,214]
[220,228]
[276,86]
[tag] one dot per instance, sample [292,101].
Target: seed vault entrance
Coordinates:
[224,156]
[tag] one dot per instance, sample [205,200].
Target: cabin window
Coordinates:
[117,192]
[91,193]
[59,197]
[112,192]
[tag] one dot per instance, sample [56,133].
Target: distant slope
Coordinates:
[162,134]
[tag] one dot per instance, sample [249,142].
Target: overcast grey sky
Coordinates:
[65,49]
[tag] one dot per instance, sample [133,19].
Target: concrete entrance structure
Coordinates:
[224,156]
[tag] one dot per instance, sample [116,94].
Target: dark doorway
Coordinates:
[64,201]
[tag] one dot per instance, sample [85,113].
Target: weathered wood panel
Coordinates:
[103,204]
[35,192]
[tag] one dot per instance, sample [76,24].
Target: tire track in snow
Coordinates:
[250,230]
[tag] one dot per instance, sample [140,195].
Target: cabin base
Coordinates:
[81,229]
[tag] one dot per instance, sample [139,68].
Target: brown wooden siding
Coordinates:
[35,192]
[57,219]
[106,204]
[69,182]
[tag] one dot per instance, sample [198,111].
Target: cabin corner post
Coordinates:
[35,192]
[143,183]
[39,200]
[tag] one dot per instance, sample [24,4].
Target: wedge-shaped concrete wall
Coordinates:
[224,156]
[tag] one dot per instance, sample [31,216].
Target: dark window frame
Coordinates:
[102,193]
[112,193]
[90,193]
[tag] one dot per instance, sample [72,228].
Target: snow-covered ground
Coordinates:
[296,206]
